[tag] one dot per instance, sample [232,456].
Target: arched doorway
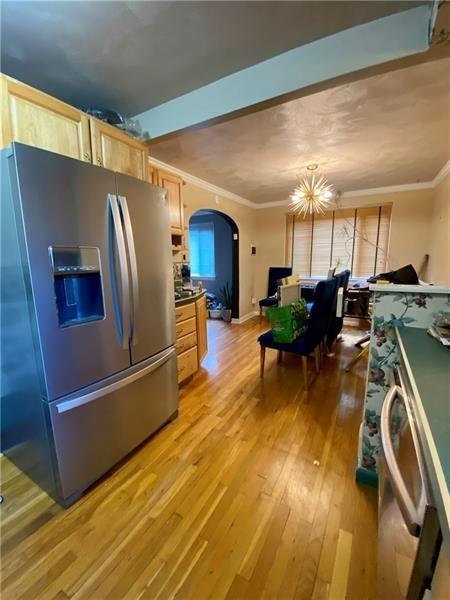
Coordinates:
[225,236]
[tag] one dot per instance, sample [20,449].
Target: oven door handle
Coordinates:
[407,507]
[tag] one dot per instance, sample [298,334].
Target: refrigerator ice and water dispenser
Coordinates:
[78,284]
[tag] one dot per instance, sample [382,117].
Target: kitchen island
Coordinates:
[191,334]
[394,306]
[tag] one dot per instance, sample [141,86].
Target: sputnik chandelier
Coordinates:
[312,195]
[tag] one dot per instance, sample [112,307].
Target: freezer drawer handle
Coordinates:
[124,329]
[407,507]
[133,265]
[76,402]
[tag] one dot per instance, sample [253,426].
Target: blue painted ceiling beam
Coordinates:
[376,42]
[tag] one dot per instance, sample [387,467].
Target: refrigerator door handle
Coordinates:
[133,265]
[155,364]
[407,507]
[124,329]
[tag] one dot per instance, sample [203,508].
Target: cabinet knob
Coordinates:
[99,161]
[87,156]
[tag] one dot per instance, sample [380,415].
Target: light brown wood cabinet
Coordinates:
[37,119]
[115,150]
[153,175]
[202,339]
[187,364]
[173,184]
[191,343]
[34,118]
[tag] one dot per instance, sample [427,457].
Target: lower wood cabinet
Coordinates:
[202,338]
[187,364]
[191,342]
[186,342]
[185,327]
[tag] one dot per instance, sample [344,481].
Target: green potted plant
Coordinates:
[226,300]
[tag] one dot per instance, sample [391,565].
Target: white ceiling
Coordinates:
[387,130]
[131,56]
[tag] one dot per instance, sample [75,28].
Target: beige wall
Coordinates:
[439,249]
[410,234]
[270,242]
[420,225]
[196,198]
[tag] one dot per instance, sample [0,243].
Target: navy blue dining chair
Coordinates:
[275,274]
[315,331]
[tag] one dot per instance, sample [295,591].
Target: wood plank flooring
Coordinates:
[250,493]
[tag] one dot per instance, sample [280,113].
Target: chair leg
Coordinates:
[330,348]
[305,371]
[317,358]
[262,358]
[280,356]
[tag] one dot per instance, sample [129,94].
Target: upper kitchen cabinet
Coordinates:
[153,175]
[173,184]
[115,150]
[34,118]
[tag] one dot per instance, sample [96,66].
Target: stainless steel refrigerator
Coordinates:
[88,358]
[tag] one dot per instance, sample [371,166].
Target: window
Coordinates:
[201,249]
[350,238]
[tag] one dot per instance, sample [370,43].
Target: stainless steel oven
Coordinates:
[408,530]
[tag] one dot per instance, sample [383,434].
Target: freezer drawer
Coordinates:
[94,431]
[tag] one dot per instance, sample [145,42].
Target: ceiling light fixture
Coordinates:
[312,195]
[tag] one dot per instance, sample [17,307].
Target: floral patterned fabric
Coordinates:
[390,310]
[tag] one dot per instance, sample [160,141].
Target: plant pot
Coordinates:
[226,314]
[215,313]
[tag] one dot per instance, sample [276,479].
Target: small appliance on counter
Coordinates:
[183,286]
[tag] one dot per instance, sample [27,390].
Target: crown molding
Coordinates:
[406,187]
[188,178]
[388,189]
[442,174]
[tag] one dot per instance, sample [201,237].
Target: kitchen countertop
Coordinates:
[189,299]
[410,289]
[427,363]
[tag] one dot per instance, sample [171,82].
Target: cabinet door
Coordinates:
[118,151]
[153,175]
[34,118]
[202,339]
[173,184]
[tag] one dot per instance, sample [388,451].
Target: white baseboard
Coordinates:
[244,318]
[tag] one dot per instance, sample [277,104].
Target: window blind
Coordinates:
[201,249]
[353,238]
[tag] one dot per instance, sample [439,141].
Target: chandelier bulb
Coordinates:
[312,195]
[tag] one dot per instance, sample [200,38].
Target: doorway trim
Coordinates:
[234,257]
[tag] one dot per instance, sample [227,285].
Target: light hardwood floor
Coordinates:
[225,502]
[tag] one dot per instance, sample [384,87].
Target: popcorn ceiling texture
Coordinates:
[387,130]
